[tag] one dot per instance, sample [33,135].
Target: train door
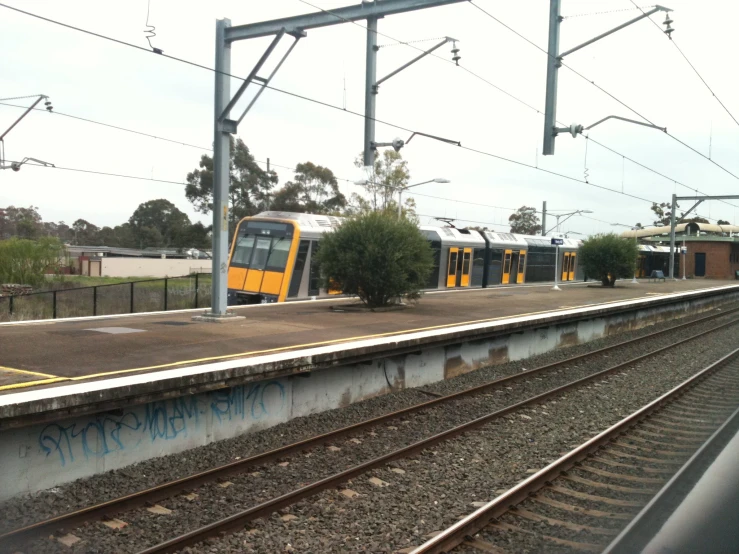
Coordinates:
[641,266]
[507,267]
[466,265]
[521,266]
[565,266]
[451,276]
[571,273]
[513,278]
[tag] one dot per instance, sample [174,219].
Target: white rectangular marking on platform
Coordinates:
[116,330]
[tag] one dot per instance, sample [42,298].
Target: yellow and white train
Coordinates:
[273,258]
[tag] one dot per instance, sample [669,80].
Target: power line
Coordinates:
[511,95]
[93,172]
[149,135]
[411,45]
[326,104]
[692,67]
[604,91]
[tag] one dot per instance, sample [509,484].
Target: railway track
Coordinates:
[580,502]
[107,510]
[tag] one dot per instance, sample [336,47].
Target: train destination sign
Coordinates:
[557,242]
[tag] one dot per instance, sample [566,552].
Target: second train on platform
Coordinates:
[273,258]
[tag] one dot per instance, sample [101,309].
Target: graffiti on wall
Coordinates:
[103,434]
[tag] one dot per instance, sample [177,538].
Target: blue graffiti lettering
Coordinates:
[163,420]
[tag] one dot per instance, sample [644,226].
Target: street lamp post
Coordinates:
[365,182]
[401,189]
[558,216]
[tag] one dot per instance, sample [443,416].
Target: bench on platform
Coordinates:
[657,275]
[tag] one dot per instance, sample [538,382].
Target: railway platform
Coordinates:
[51,353]
[97,394]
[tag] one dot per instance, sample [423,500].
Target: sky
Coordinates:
[92,78]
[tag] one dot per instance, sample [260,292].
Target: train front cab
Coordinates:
[273,258]
[459,257]
[506,259]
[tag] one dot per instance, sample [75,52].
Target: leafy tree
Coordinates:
[608,257]
[524,221]
[722,222]
[24,223]
[314,190]
[376,256]
[389,173]
[663,212]
[158,223]
[249,187]
[25,261]
[85,233]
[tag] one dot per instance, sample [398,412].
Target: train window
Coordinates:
[298,269]
[433,281]
[278,256]
[466,264]
[242,251]
[452,263]
[314,283]
[261,252]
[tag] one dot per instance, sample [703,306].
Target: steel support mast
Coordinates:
[554,62]
[225,126]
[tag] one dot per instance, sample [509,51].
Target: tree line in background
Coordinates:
[156,223]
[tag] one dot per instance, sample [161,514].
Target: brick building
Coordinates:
[712,250]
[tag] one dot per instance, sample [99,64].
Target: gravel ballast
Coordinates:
[381,518]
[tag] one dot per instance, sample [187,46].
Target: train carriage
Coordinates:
[273,258]
[459,257]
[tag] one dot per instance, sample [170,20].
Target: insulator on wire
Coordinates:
[668,24]
[455,53]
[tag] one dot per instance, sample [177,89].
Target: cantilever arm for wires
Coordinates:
[442,139]
[664,129]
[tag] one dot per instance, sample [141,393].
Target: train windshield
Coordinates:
[263,245]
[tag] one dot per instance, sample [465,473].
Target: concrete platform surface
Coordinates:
[44,354]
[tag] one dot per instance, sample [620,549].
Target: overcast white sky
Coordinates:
[96,79]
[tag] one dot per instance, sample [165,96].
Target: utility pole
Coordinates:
[554,62]
[543,217]
[224,126]
[370,92]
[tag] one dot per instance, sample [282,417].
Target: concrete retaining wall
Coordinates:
[42,456]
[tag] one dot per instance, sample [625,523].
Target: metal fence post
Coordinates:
[165,294]
[94,301]
[196,289]
[132,283]
[53,305]
[11,304]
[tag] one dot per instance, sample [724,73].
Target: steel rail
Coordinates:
[477,520]
[186,484]
[238,520]
[651,517]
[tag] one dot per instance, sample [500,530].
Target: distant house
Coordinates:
[712,250]
[112,261]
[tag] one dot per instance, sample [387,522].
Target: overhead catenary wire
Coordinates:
[691,66]
[329,12]
[325,104]
[613,97]
[329,105]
